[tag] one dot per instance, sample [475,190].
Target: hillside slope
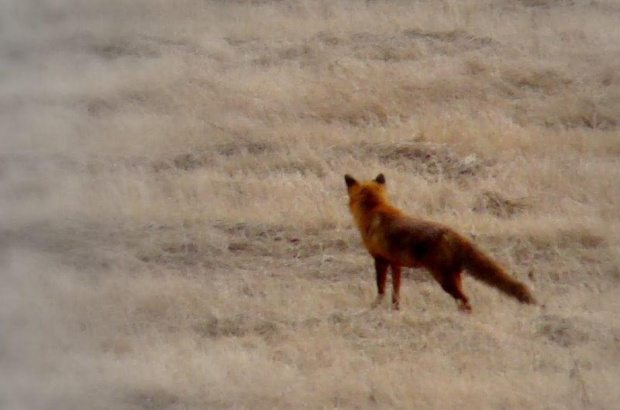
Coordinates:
[174,231]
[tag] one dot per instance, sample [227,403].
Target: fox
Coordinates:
[397,240]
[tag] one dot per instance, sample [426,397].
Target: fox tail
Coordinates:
[483,268]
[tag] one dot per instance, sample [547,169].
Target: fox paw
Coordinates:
[377,302]
[465,308]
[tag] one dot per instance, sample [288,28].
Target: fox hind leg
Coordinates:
[458,283]
[396,273]
[381,266]
[452,284]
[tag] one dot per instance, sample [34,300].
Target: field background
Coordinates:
[174,231]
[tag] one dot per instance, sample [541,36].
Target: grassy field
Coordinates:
[174,231]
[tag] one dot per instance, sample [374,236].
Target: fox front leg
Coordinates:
[381,266]
[396,271]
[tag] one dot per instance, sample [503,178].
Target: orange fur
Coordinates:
[396,240]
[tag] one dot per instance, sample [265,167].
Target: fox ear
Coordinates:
[349,180]
[380,179]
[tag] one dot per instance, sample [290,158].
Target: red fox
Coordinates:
[396,240]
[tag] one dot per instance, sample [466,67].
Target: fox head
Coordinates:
[365,195]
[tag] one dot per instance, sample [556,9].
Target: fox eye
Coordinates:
[380,179]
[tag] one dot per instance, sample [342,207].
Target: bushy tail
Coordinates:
[483,268]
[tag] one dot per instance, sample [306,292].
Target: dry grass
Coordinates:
[173,222]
